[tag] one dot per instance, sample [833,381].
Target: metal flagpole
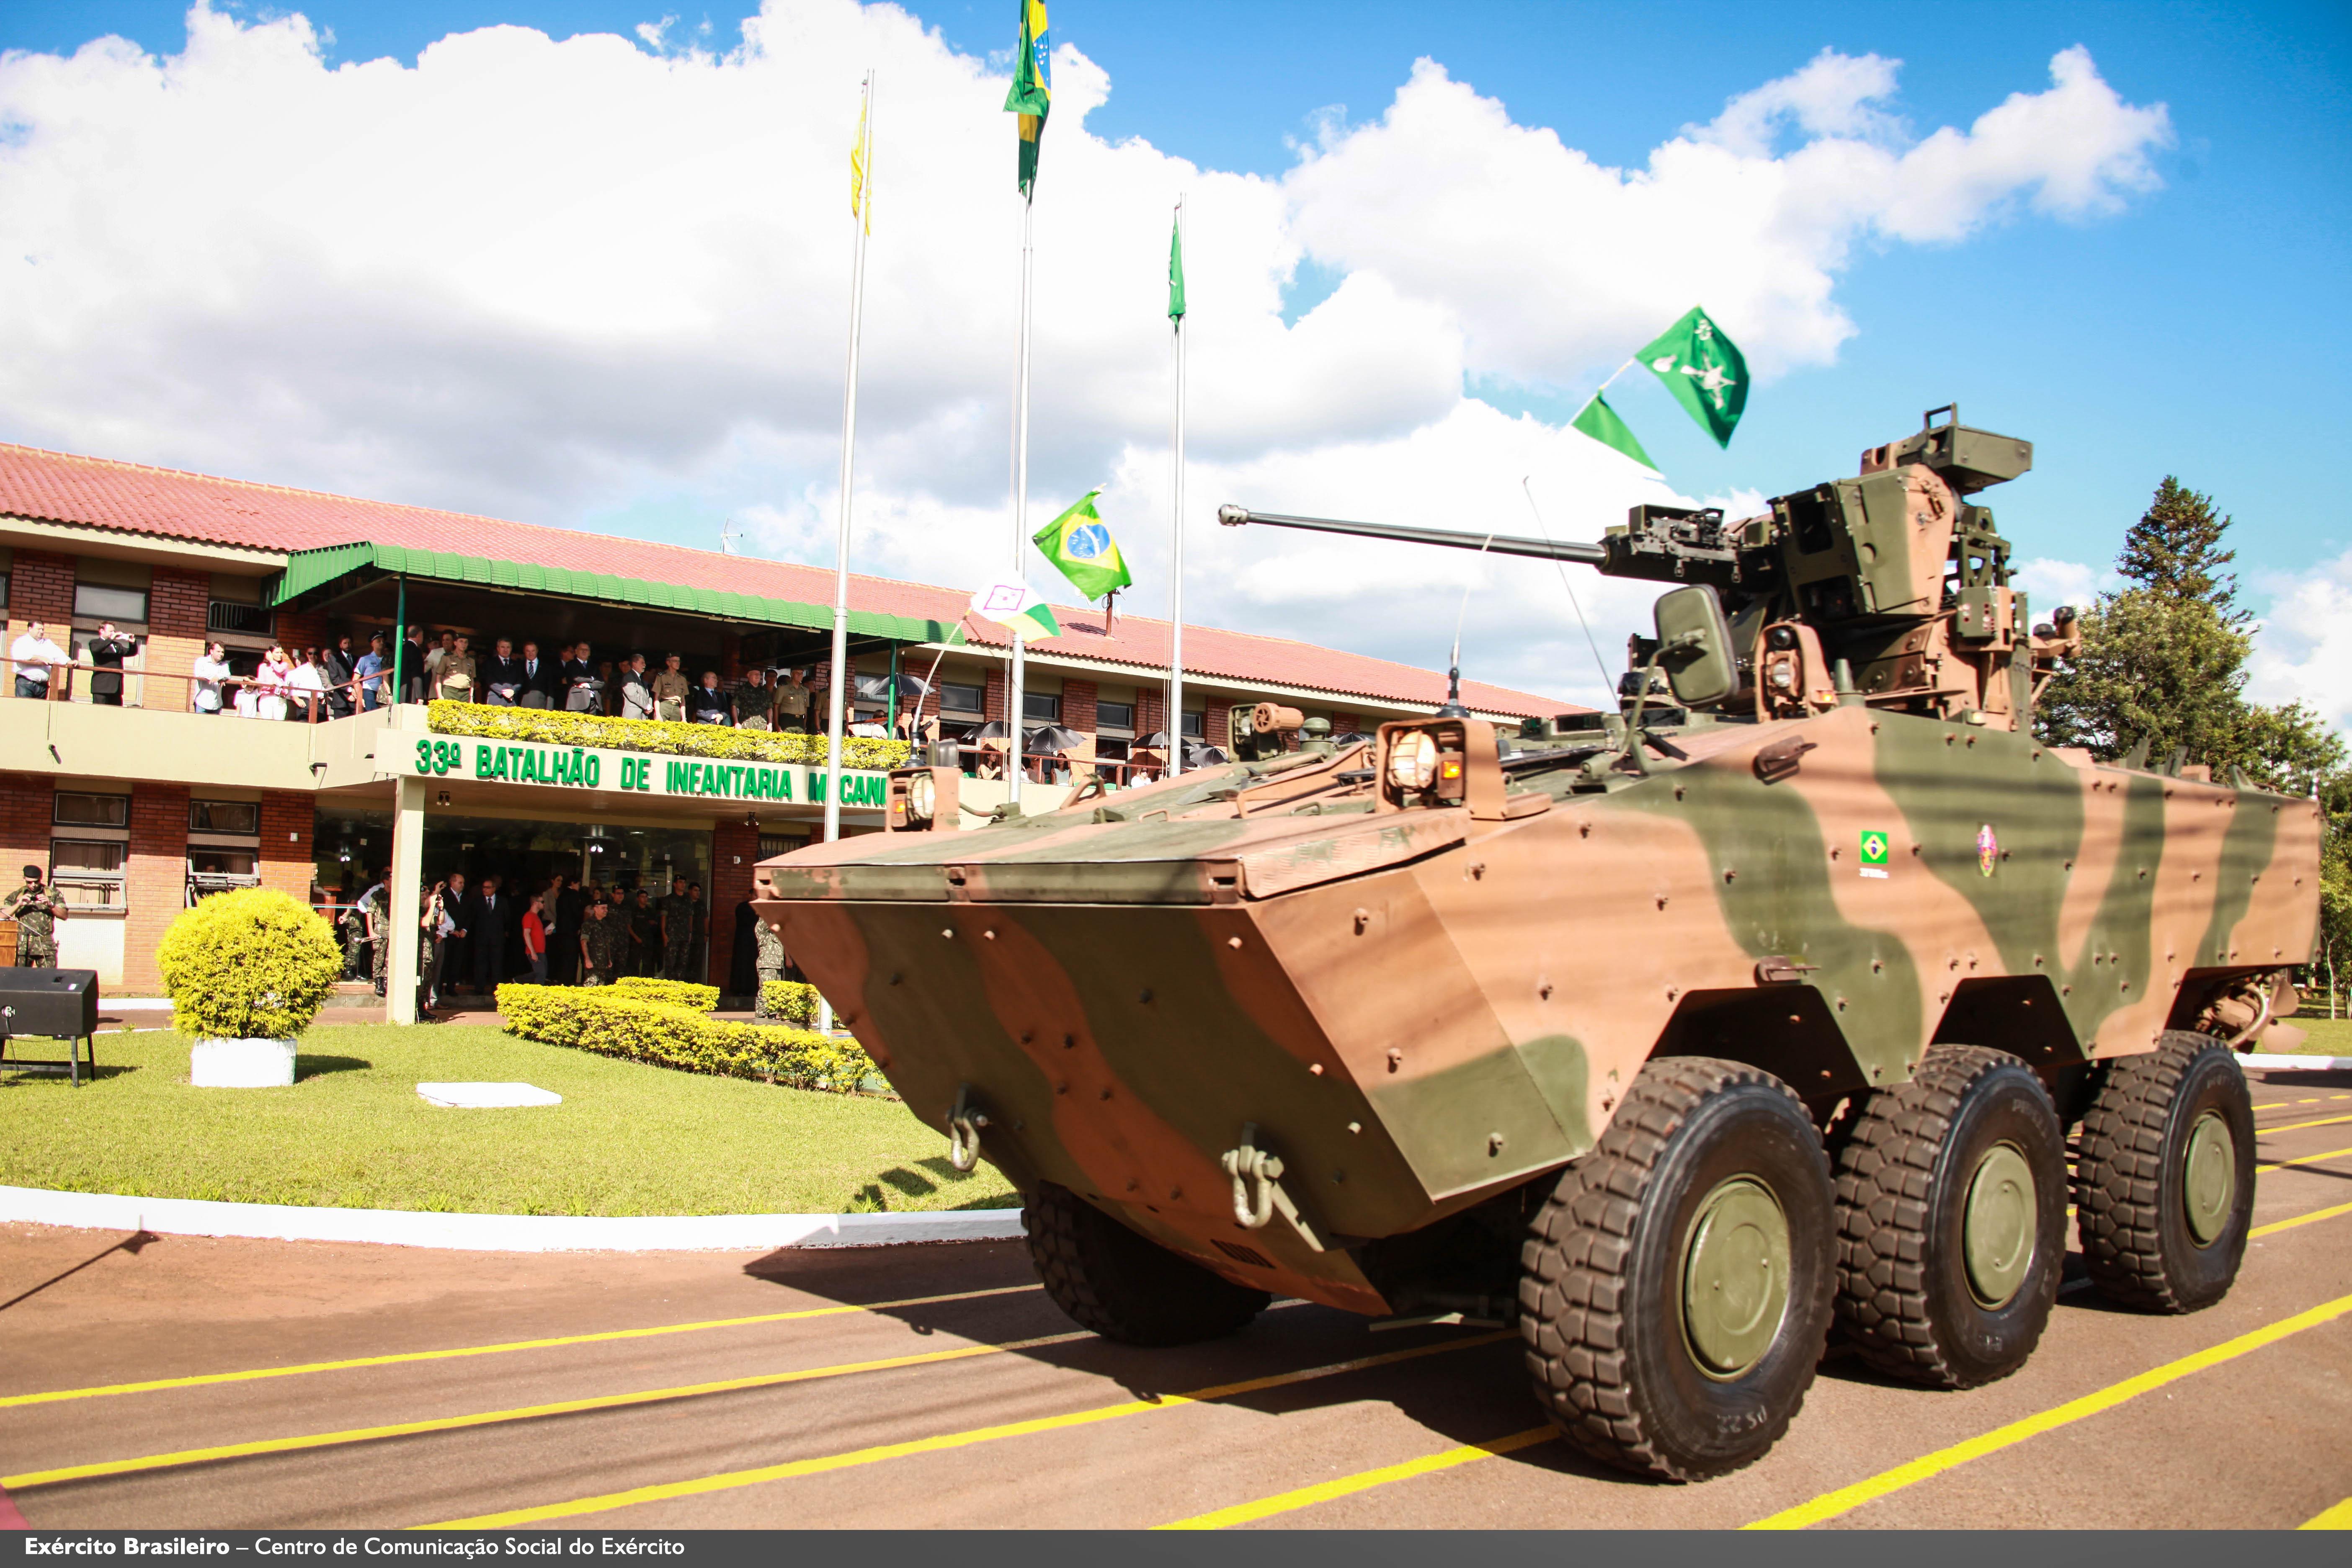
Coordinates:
[1014,718]
[1176,565]
[837,686]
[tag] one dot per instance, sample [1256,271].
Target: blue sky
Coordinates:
[2191,332]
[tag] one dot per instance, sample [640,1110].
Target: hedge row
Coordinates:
[788,1000]
[555,728]
[676,993]
[599,1019]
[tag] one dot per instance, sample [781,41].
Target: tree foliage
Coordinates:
[2163,660]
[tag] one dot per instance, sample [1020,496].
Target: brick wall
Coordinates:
[288,820]
[175,635]
[1150,710]
[26,801]
[731,884]
[155,878]
[1078,699]
[992,701]
[41,588]
[307,628]
[1216,724]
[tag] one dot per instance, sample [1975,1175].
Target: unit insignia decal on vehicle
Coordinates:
[1873,853]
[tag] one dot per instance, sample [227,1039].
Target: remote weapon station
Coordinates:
[1671,1036]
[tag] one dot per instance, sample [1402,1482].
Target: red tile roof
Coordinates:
[57,487]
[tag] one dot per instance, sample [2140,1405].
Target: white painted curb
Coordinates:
[2258,1062]
[502,1232]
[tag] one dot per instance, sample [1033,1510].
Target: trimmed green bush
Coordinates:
[788,1000]
[601,1019]
[555,728]
[252,965]
[676,993]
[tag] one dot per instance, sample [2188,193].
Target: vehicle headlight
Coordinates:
[1412,762]
[922,797]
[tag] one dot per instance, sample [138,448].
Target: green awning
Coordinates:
[313,576]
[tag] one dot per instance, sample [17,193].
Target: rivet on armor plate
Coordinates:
[1339,1175]
[1396,1059]
[1027,1036]
[1069,1041]
[1146,996]
[990,934]
[1233,941]
[1106,1091]
[1543,991]
[1493,1142]
[949,933]
[1662,900]
[1315,1068]
[1061,1089]
[895,979]
[1728,873]
[1355,1127]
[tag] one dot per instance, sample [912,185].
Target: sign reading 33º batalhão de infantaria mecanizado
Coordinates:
[583,768]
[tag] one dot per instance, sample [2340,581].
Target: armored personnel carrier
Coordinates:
[1675,1036]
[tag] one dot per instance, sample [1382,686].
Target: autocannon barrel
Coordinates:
[1494,544]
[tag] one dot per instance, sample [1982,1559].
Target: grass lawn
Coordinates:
[352,1133]
[2329,1037]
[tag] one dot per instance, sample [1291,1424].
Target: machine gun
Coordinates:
[1889,588]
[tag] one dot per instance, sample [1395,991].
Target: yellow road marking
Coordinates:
[829,1462]
[2298,1126]
[2314,1100]
[2337,1518]
[1324,1491]
[204,1379]
[2304,1159]
[2276,1225]
[1845,1499]
[495,1417]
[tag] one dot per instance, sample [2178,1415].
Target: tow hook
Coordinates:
[1253,1167]
[965,1123]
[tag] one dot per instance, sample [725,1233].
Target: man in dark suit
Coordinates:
[413,674]
[108,649]
[488,929]
[538,679]
[502,675]
[335,668]
[570,907]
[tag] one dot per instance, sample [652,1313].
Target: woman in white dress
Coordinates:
[270,683]
[209,672]
[307,685]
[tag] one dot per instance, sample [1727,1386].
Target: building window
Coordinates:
[958,699]
[4,590]
[87,872]
[96,601]
[222,616]
[1044,707]
[1195,724]
[1115,715]
[74,810]
[775,844]
[224,817]
[216,862]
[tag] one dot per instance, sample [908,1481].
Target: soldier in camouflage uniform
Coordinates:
[678,933]
[603,943]
[375,925]
[36,909]
[771,960]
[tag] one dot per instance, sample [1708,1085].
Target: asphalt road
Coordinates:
[290,1385]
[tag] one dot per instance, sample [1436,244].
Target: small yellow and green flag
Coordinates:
[1032,97]
[1081,549]
[1705,370]
[858,156]
[1601,422]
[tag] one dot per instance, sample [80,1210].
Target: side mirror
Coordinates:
[1694,646]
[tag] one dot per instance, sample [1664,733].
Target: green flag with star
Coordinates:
[1704,370]
[1032,97]
[1081,547]
[1601,422]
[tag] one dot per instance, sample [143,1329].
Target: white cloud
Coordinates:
[2050,583]
[546,278]
[2303,650]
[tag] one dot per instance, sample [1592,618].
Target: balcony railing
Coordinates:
[273,697]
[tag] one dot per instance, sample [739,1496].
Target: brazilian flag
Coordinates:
[1078,545]
[1032,97]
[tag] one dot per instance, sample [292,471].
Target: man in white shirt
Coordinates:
[34,653]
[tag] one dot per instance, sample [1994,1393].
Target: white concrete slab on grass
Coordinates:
[486,1096]
[503,1232]
[241,1064]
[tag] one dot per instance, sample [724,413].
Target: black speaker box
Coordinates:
[62,1003]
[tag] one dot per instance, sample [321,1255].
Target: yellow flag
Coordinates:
[860,154]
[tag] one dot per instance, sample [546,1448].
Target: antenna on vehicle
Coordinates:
[1558,566]
[1454,709]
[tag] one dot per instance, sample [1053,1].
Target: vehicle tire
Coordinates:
[1123,1286]
[1951,1194]
[1710,1174]
[2164,1175]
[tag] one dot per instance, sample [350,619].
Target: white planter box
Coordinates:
[241,1064]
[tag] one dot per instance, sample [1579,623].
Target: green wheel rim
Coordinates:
[2209,1186]
[1735,1277]
[1997,1228]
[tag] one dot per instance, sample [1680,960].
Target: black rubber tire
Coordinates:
[1122,1286]
[1906,1163]
[2131,1171]
[1601,1305]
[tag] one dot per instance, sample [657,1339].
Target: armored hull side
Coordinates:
[1419,1009]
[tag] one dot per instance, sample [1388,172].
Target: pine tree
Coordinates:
[2164,660]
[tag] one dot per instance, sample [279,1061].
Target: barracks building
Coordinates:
[137,802]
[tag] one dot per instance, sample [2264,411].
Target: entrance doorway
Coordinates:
[524,854]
